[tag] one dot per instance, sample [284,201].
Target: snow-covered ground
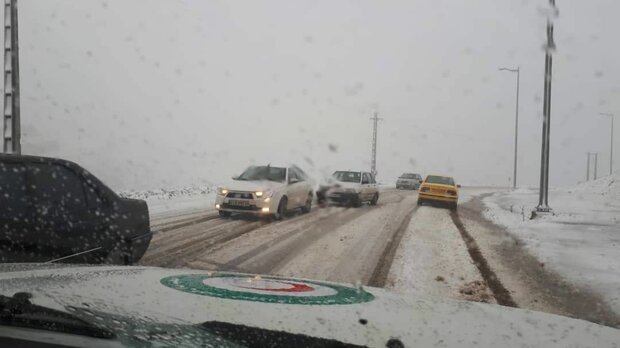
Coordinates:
[432,260]
[170,201]
[580,240]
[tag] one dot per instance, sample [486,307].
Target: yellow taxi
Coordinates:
[439,189]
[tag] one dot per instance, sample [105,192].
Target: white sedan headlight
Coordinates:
[222,191]
[263,194]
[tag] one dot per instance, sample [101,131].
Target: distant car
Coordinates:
[439,189]
[409,181]
[350,188]
[52,209]
[266,191]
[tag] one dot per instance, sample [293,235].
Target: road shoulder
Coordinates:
[531,284]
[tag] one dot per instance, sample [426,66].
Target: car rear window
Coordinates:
[444,180]
[348,176]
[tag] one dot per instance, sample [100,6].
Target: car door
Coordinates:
[306,188]
[365,189]
[98,221]
[373,185]
[61,211]
[17,228]
[295,189]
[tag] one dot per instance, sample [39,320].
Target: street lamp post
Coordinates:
[514,176]
[611,149]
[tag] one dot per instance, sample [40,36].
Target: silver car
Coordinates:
[409,181]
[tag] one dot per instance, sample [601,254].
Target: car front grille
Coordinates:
[237,207]
[242,195]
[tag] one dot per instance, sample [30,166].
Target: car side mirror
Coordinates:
[293,181]
[235,177]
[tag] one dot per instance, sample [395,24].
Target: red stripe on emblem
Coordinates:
[295,287]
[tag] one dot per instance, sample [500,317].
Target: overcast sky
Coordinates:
[154,93]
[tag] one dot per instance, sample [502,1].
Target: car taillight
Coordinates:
[424,189]
[452,193]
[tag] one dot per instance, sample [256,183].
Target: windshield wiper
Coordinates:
[19,311]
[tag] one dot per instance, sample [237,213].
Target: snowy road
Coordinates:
[421,251]
[395,244]
[334,243]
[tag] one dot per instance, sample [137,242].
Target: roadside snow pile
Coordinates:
[580,240]
[160,194]
[607,186]
[162,202]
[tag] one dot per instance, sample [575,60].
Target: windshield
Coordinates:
[256,173]
[268,155]
[434,179]
[348,176]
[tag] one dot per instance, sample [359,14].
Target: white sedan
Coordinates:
[266,191]
[351,188]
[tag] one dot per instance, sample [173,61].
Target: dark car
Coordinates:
[52,209]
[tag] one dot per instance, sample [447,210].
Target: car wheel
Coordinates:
[420,202]
[279,215]
[453,206]
[306,208]
[375,199]
[224,214]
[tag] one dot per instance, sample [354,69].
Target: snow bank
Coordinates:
[166,201]
[608,186]
[580,240]
[168,193]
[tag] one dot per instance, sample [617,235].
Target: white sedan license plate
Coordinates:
[238,203]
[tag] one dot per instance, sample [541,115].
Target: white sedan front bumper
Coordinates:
[255,205]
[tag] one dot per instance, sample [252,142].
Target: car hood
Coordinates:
[251,186]
[355,315]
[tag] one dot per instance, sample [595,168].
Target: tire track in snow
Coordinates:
[381,271]
[501,294]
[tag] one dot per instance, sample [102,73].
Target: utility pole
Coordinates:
[588,168]
[595,164]
[514,176]
[611,149]
[373,158]
[12,125]
[543,197]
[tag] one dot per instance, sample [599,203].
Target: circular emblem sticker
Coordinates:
[266,289]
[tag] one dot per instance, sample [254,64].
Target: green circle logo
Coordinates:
[266,289]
